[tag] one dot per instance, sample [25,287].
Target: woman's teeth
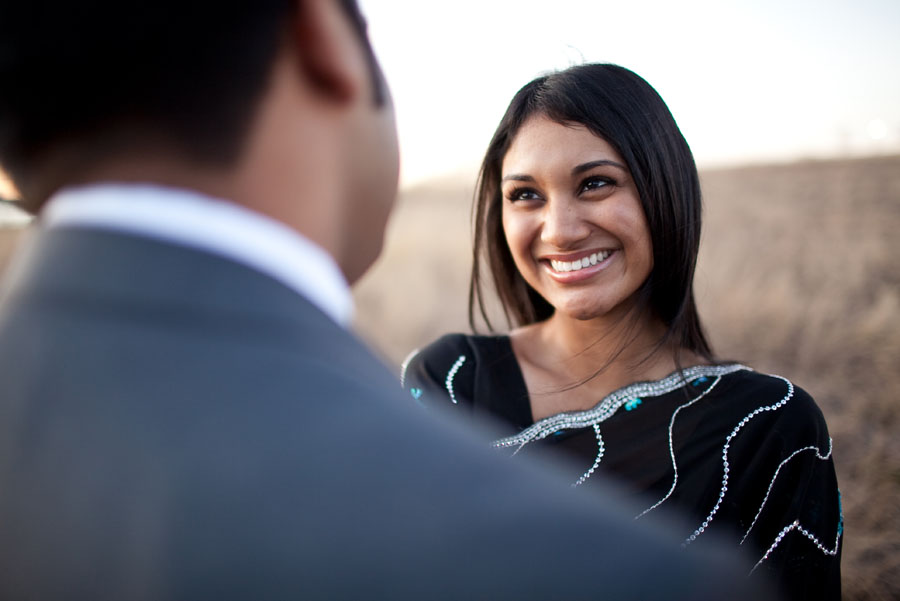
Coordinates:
[580,263]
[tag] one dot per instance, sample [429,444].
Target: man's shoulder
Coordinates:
[93,292]
[106,266]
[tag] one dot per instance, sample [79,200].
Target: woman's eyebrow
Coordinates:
[519,177]
[590,165]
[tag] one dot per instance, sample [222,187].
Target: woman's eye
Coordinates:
[595,183]
[522,194]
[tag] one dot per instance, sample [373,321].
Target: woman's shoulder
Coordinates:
[450,347]
[768,388]
[444,346]
[778,485]
[782,404]
[446,367]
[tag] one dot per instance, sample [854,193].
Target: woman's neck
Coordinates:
[571,365]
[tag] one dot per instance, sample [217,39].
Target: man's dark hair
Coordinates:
[623,109]
[98,73]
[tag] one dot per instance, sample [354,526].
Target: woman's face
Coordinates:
[573,219]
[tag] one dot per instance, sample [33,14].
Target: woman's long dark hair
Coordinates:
[623,109]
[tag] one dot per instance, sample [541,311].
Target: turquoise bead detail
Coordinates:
[841,511]
[632,404]
[415,392]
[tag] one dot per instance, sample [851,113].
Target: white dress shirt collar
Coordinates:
[213,225]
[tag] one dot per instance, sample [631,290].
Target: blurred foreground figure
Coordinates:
[184,414]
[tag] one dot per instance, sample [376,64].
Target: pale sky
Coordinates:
[747,80]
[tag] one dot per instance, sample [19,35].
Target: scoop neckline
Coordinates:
[673,381]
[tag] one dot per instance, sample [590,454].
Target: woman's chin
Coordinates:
[581,312]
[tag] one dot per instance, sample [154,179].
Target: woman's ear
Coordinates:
[328,51]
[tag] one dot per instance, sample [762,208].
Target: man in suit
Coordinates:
[183,413]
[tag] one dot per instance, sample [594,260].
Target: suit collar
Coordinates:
[219,227]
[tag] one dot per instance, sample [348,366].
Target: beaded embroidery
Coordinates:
[601,448]
[702,528]
[824,457]
[672,446]
[448,383]
[405,365]
[631,397]
[626,397]
[795,525]
[609,405]
[840,514]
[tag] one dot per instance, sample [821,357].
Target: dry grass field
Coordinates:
[9,236]
[799,275]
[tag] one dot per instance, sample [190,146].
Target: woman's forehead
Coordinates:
[542,144]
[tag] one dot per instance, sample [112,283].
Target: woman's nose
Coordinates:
[563,226]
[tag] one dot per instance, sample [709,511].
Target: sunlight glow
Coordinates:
[747,81]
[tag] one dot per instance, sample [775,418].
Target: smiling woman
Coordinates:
[588,216]
[573,220]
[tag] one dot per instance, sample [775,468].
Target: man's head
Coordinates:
[258,100]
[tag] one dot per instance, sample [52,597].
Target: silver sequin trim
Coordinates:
[796,526]
[405,365]
[448,383]
[601,448]
[672,449]
[819,455]
[725,465]
[609,405]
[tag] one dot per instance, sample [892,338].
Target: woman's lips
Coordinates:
[580,268]
[581,263]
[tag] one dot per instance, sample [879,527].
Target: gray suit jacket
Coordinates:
[177,426]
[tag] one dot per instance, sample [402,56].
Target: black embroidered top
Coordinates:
[742,454]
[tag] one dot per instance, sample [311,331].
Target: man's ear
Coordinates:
[328,51]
